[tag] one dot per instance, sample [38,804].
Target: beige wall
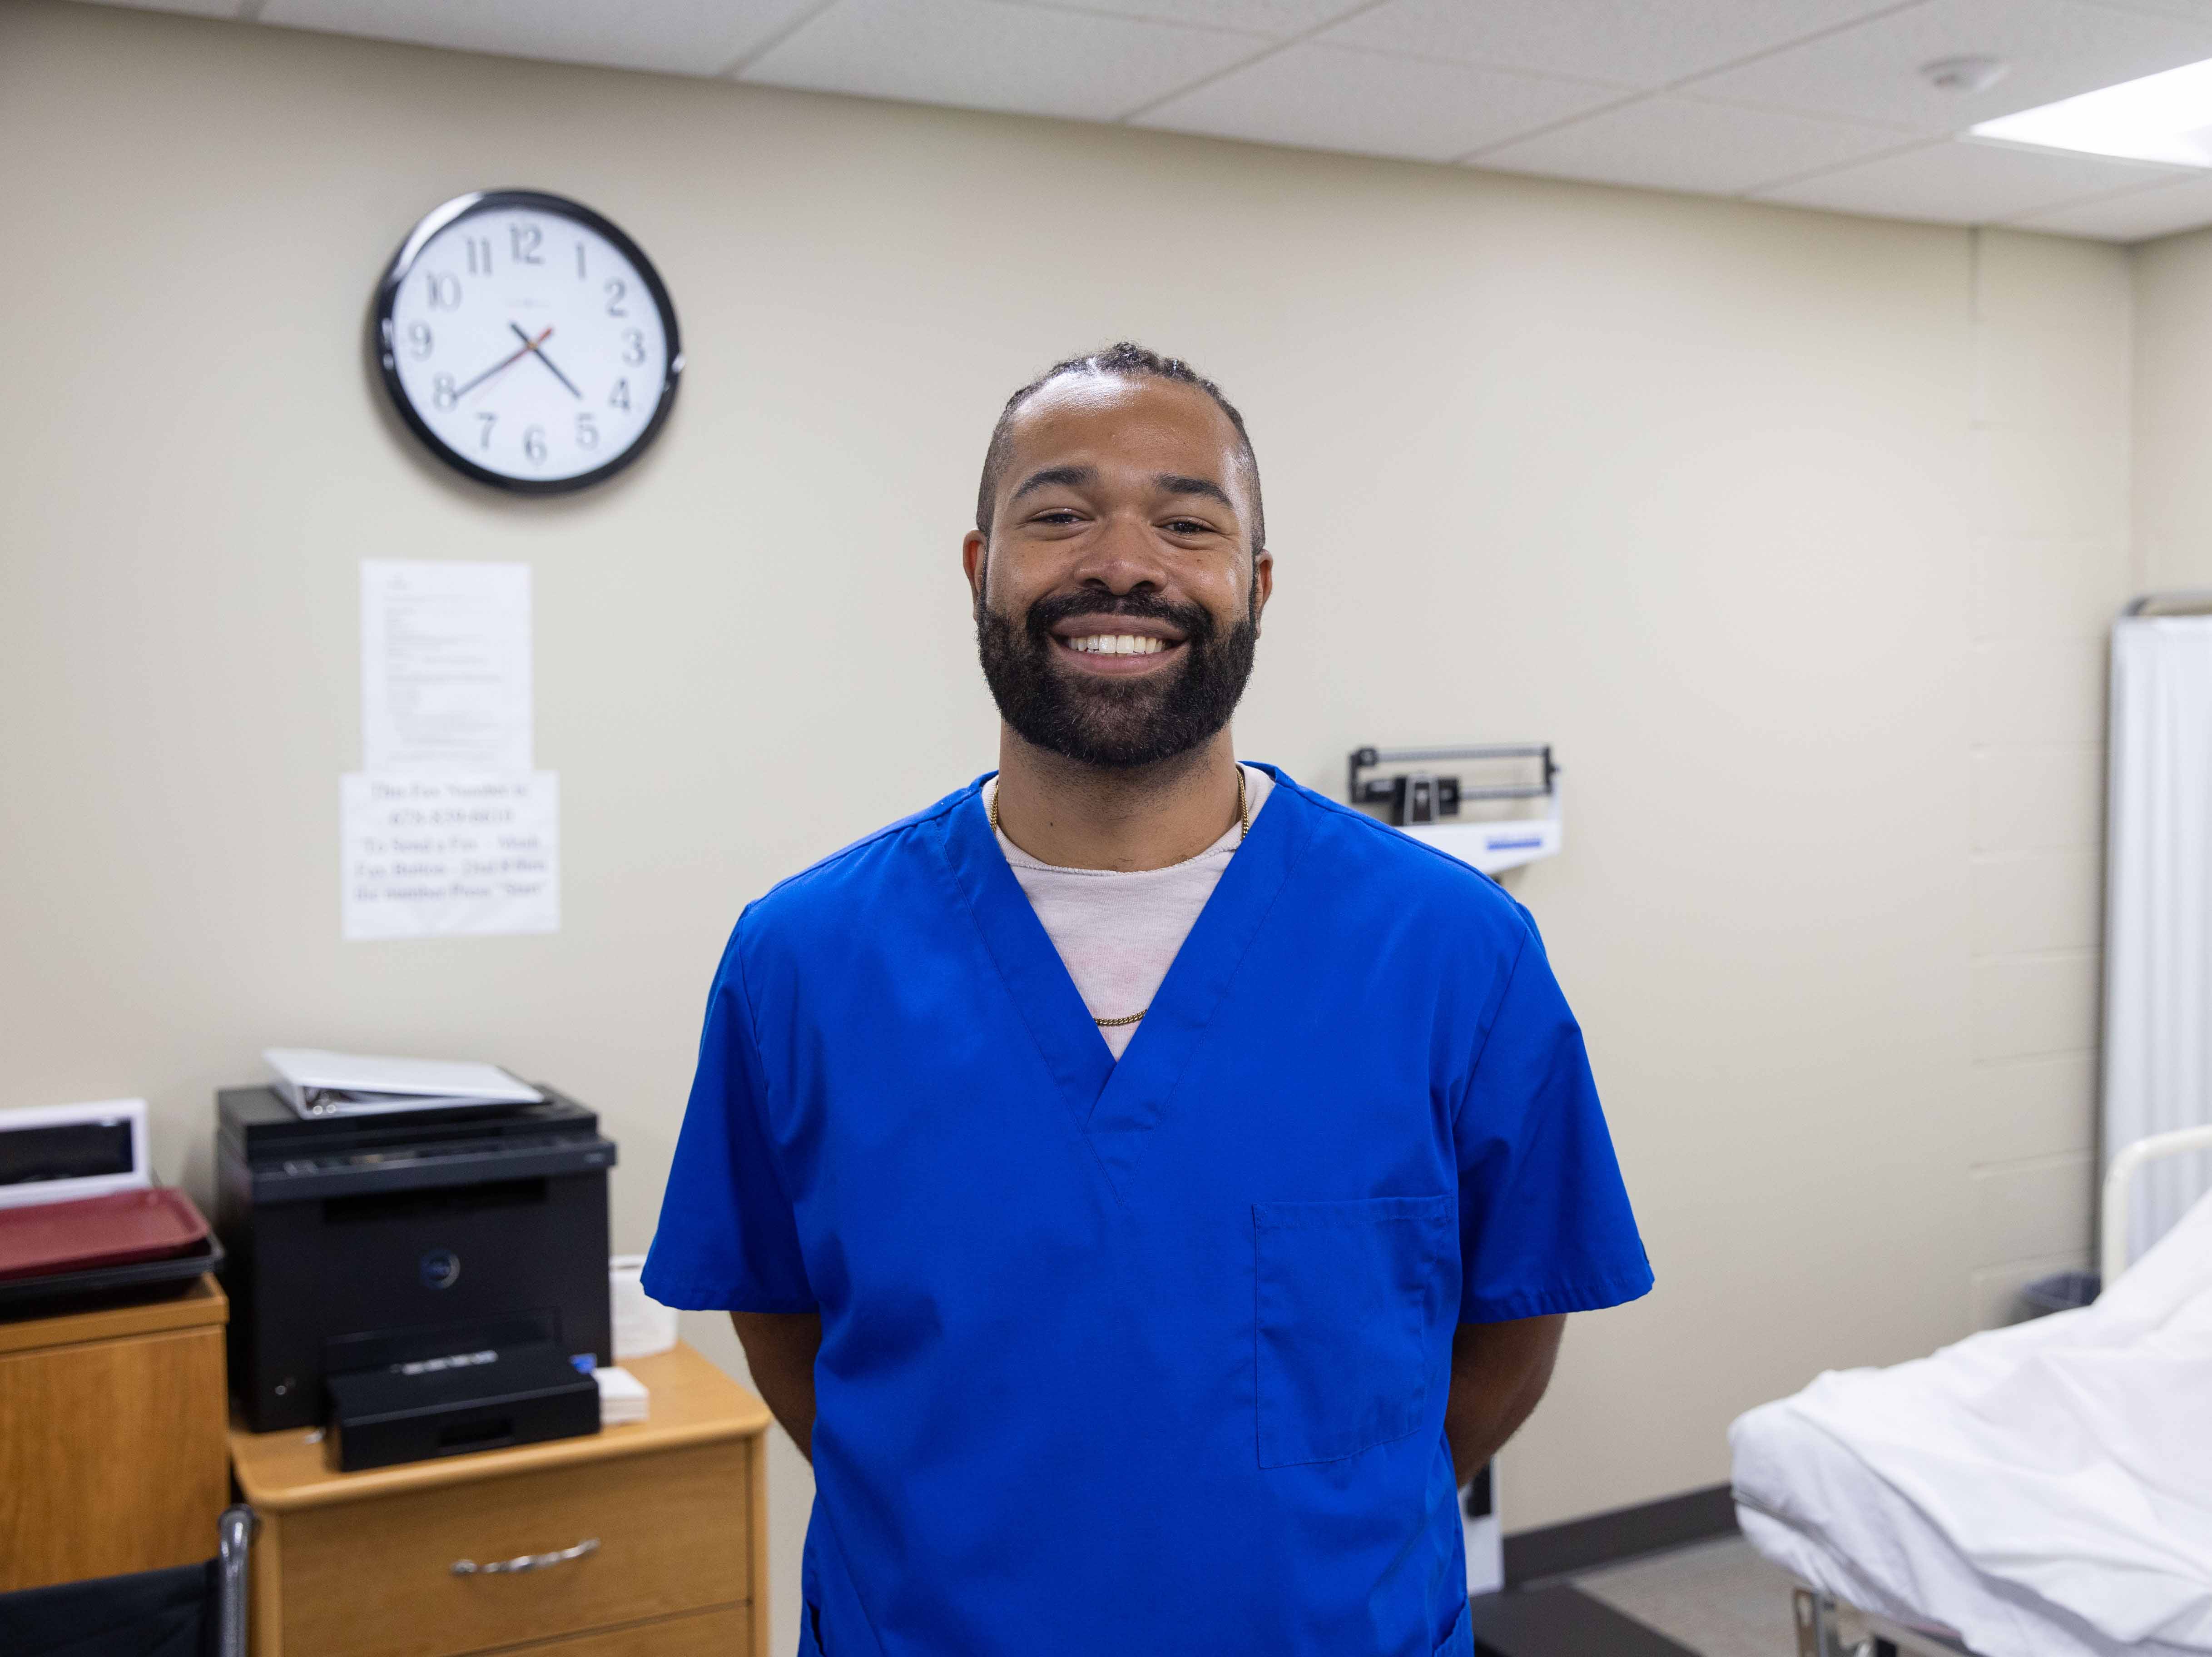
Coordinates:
[2053,563]
[2173,412]
[1792,532]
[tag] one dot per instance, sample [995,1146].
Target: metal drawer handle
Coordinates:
[527,1562]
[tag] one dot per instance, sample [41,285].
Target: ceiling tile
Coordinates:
[2199,9]
[1331,98]
[1963,181]
[1639,43]
[2135,216]
[190,8]
[1870,71]
[1673,142]
[988,54]
[682,37]
[1274,17]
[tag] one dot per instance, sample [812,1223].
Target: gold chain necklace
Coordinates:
[1244,828]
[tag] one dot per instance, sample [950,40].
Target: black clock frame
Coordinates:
[384,343]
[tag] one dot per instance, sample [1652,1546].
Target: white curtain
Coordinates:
[2158,917]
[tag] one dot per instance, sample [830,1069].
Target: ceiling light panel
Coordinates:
[1962,181]
[1871,71]
[1631,43]
[986,54]
[678,37]
[1320,97]
[2161,118]
[1678,143]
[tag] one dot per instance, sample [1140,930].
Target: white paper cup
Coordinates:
[643,1325]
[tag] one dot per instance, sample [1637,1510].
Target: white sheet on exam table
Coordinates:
[2065,1463]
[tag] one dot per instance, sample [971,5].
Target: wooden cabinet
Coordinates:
[112,1439]
[663,1524]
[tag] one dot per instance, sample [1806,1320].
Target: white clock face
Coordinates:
[529,347]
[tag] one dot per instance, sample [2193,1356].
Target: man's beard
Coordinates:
[1112,722]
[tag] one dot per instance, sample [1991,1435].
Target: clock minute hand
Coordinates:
[531,345]
[508,361]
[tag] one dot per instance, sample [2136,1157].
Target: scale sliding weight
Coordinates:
[1426,792]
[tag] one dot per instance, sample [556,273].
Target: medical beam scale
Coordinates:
[1494,805]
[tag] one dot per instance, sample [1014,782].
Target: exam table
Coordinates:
[2042,1490]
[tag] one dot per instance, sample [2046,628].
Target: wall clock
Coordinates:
[527,340]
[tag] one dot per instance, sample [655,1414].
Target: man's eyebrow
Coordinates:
[1173,484]
[1074,477]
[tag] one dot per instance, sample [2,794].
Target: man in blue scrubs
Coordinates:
[1143,1188]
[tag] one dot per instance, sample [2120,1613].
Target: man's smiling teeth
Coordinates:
[1117,644]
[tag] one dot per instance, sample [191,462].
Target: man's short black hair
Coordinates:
[1123,357]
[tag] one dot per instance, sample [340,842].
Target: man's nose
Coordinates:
[1124,554]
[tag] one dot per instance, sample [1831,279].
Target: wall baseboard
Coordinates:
[1606,1538]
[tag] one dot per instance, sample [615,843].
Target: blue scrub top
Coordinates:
[1148,1356]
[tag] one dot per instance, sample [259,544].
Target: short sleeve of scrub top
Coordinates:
[1545,1222]
[735,1245]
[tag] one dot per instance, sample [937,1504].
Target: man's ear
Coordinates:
[975,564]
[1263,582]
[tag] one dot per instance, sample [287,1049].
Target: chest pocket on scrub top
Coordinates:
[1348,1292]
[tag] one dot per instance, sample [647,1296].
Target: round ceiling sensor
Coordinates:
[1974,73]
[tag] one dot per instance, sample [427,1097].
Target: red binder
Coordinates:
[41,1239]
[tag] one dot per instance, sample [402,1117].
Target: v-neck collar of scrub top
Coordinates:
[1115,1105]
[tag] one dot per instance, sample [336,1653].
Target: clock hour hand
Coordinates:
[508,361]
[531,345]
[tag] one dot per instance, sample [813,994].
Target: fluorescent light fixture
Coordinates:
[2166,117]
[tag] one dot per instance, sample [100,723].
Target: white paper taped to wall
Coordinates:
[447,830]
[435,857]
[444,667]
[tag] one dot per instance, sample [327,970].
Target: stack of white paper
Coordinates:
[622,1397]
[643,1327]
[319,1083]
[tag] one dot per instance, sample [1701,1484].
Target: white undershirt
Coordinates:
[1117,931]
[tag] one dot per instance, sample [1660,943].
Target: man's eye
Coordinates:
[1056,515]
[1187,526]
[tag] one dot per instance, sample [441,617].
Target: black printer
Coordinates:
[414,1244]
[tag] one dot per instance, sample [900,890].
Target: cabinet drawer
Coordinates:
[375,1578]
[725,1633]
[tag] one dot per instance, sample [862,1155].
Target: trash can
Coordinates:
[2062,1292]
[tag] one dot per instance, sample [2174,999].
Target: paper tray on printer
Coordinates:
[284,1157]
[482,1400]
